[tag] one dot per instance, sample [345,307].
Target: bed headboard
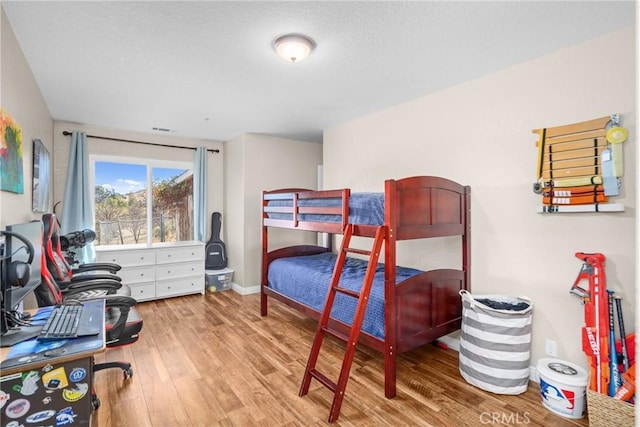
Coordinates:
[426,206]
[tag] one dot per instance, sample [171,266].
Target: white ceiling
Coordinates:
[207,69]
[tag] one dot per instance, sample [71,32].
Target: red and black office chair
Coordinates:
[62,272]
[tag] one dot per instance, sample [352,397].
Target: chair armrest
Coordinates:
[91,285]
[124,304]
[119,301]
[93,266]
[83,277]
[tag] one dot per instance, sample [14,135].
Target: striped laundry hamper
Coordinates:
[495,343]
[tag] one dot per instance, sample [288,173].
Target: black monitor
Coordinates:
[13,294]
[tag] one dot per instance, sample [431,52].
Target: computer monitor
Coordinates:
[10,295]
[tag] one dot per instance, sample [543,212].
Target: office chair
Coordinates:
[63,273]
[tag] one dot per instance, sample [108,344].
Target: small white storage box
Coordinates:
[218,280]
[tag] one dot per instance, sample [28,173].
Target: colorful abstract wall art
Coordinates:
[11,175]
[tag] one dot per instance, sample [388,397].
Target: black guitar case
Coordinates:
[216,253]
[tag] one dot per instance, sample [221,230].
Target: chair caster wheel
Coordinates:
[127,373]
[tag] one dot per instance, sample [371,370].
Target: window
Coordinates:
[142,202]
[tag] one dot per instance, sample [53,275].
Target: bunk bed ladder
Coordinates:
[323,328]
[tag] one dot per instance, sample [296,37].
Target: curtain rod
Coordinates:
[67,133]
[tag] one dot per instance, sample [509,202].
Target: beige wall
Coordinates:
[21,98]
[233,227]
[479,133]
[255,163]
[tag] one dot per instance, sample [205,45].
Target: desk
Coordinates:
[50,382]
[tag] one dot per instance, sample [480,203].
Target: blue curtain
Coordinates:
[200,194]
[77,210]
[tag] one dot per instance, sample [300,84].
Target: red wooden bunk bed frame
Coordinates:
[418,310]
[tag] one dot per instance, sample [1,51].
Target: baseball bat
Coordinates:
[615,380]
[623,334]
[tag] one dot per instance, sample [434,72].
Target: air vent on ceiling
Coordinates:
[162,129]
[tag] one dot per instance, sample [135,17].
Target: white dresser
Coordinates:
[160,271]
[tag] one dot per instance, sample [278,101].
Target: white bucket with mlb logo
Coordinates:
[563,387]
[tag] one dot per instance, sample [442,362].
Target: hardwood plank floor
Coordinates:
[212,360]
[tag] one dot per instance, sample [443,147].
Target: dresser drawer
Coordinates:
[182,269]
[137,274]
[178,254]
[128,258]
[185,285]
[143,291]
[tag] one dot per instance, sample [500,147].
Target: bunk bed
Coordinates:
[407,308]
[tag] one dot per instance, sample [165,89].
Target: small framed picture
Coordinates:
[41,177]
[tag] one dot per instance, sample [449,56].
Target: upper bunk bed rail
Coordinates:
[281,208]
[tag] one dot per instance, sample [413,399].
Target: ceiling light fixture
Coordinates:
[293,47]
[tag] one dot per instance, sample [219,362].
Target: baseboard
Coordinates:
[533,374]
[245,290]
[452,341]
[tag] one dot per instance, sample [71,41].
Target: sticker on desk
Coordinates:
[10,377]
[40,416]
[55,379]
[77,374]
[17,408]
[29,383]
[4,398]
[75,394]
[65,416]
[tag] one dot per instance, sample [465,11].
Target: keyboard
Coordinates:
[70,321]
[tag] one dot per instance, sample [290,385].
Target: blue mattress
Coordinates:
[364,208]
[306,279]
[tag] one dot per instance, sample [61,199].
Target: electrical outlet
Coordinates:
[550,348]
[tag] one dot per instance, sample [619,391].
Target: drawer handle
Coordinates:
[113,260]
[169,272]
[141,274]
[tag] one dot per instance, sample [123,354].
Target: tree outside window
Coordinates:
[123,214]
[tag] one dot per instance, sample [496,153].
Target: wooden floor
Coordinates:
[212,360]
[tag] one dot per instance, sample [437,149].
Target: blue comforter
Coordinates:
[306,279]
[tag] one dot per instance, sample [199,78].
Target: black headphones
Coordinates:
[18,272]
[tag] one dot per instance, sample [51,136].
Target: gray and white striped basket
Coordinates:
[495,345]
